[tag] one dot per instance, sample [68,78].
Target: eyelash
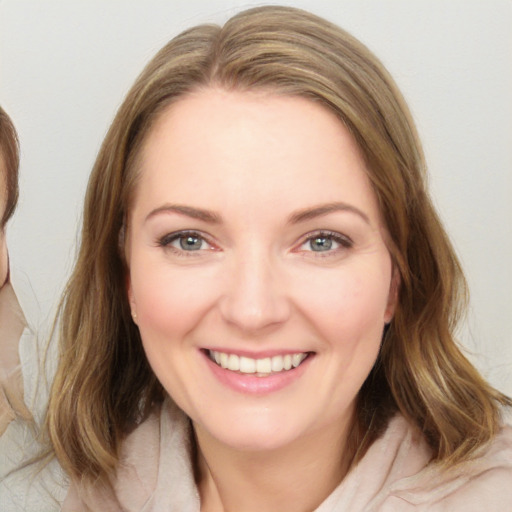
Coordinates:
[166,241]
[344,241]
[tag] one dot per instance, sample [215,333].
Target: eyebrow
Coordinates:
[297,217]
[189,211]
[325,209]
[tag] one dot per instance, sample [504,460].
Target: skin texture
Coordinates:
[255,284]
[3,243]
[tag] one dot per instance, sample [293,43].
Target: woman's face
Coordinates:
[259,277]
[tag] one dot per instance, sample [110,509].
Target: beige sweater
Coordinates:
[12,326]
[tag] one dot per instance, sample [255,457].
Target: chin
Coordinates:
[257,432]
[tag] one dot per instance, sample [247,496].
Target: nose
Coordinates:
[255,299]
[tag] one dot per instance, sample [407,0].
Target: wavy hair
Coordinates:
[104,385]
[9,159]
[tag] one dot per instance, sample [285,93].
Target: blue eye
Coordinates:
[326,242]
[184,241]
[190,242]
[321,243]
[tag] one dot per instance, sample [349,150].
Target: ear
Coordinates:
[124,249]
[131,298]
[394,288]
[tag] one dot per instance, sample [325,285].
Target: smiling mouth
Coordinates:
[263,367]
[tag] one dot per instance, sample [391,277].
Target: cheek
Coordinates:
[168,301]
[347,312]
[349,306]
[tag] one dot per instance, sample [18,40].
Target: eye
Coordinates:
[187,241]
[190,242]
[321,243]
[325,242]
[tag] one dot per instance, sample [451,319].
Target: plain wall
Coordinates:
[65,67]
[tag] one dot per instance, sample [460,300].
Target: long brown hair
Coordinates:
[104,384]
[9,160]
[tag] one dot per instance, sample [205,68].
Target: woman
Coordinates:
[9,159]
[12,322]
[262,309]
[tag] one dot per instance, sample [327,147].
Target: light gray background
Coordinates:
[66,65]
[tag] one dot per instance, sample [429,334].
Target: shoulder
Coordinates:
[143,478]
[135,476]
[482,483]
[27,482]
[27,354]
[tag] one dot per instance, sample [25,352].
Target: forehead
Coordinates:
[214,145]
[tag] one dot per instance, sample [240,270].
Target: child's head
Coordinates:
[9,160]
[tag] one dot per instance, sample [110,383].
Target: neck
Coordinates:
[296,478]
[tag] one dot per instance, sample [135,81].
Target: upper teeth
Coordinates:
[265,365]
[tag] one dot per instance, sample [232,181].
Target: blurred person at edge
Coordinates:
[12,322]
[9,162]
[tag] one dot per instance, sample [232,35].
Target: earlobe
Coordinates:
[394,288]
[133,309]
[131,299]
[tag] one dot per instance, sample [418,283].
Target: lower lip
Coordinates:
[252,385]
